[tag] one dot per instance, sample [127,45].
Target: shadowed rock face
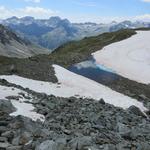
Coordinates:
[12,45]
[6,35]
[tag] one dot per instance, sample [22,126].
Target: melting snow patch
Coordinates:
[102,67]
[72,84]
[85,64]
[8,91]
[22,108]
[129,58]
[26,110]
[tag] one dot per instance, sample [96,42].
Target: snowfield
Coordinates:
[129,58]
[22,108]
[71,84]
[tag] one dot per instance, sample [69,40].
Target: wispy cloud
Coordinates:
[85,4]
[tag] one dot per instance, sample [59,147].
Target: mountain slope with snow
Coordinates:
[71,84]
[95,117]
[129,58]
[17,98]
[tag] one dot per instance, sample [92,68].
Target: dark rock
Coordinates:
[122,128]
[101,101]
[4,145]
[22,94]
[15,141]
[123,146]
[3,81]
[3,128]
[61,143]
[142,96]
[8,134]
[6,106]
[25,138]
[47,145]
[128,136]
[136,111]
[68,132]
[80,142]
[13,97]
[92,148]
[109,147]
[14,148]
[143,146]
[3,139]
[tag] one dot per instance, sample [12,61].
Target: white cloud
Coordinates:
[147,1]
[106,19]
[34,1]
[145,17]
[43,13]
[4,13]
[37,12]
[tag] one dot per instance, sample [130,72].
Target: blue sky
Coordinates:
[78,10]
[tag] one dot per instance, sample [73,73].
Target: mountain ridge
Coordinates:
[11,45]
[53,32]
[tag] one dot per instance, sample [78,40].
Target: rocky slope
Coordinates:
[73,124]
[53,32]
[13,46]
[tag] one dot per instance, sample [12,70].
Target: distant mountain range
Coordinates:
[12,45]
[53,32]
